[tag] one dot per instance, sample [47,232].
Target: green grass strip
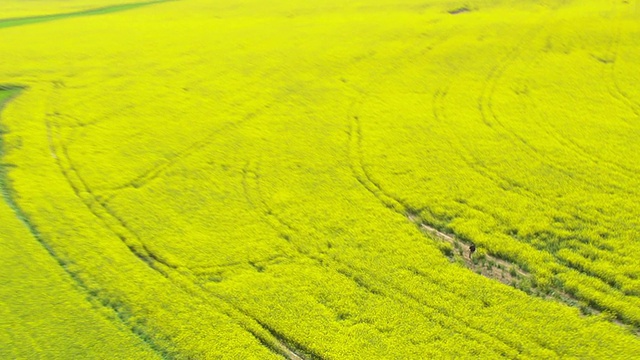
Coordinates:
[5,23]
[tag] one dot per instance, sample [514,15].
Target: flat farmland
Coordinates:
[252,180]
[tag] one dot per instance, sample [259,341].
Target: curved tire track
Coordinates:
[177,273]
[495,178]
[375,286]
[97,297]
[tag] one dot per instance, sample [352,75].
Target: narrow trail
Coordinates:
[505,271]
[537,197]
[388,200]
[491,266]
[491,119]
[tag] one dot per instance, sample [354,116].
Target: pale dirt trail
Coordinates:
[499,269]
[502,270]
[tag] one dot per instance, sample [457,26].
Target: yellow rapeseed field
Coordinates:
[287,179]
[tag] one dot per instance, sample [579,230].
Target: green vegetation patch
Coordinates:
[5,23]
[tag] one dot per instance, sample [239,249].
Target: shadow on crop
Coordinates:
[11,22]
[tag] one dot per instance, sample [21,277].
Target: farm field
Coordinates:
[42,311]
[253,180]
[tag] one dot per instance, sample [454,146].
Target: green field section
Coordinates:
[26,20]
[21,9]
[256,180]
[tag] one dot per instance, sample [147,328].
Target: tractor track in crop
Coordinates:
[505,184]
[388,200]
[633,104]
[538,198]
[155,172]
[484,103]
[192,149]
[79,123]
[613,87]
[490,118]
[177,274]
[560,294]
[492,176]
[474,162]
[181,276]
[609,62]
[488,112]
[97,297]
[486,109]
[391,202]
[569,143]
[99,206]
[368,282]
[288,232]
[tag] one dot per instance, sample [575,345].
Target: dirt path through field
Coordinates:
[502,270]
[480,262]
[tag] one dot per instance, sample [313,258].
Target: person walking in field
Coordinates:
[472,249]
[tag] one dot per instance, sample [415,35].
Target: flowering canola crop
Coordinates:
[243,179]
